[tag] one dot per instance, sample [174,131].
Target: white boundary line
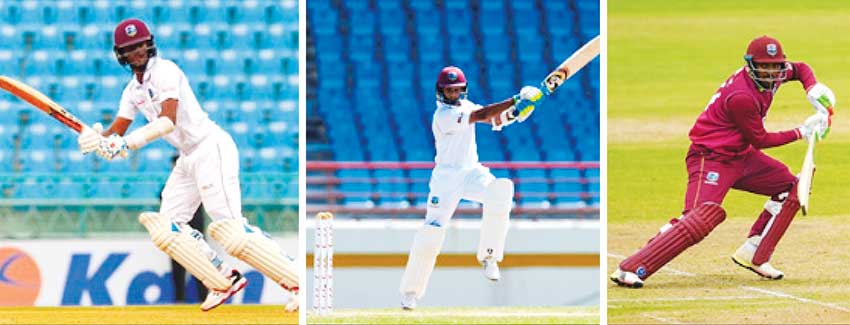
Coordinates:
[754,289]
[800,299]
[672,299]
[661,319]
[666,268]
[450,313]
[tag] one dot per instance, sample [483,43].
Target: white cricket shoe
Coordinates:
[491,269]
[626,279]
[744,257]
[408,301]
[216,298]
[292,304]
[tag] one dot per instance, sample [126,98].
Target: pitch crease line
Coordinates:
[662,319]
[800,299]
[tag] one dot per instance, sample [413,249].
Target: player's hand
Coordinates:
[816,125]
[111,147]
[507,117]
[531,94]
[529,98]
[822,99]
[89,138]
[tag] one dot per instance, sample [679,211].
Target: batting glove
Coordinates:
[89,138]
[822,99]
[111,147]
[527,100]
[816,125]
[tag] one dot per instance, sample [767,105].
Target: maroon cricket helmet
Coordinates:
[131,32]
[765,49]
[451,76]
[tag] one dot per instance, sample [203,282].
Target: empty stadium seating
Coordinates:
[375,67]
[240,58]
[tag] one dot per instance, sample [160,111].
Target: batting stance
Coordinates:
[207,172]
[725,152]
[458,175]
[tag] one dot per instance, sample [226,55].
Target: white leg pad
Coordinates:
[250,245]
[423,256]
[184,249]
[495,219]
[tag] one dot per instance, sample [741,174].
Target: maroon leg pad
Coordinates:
[691,229]
[761,222]
[778,228]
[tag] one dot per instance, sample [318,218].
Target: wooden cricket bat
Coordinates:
[42,102]
[570,66]
[807,173]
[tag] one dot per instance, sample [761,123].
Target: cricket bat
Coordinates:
[807,173]
[570,66]
[42,102]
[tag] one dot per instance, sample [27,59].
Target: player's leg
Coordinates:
[180,200]
[496,196]
[692,228]
[768,177]
[708,183]
[442,202]
[217,178]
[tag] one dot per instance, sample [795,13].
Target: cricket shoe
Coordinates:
[292,304]
[626,279]
[491,269]
[408,301]
[744,257]
[216,298]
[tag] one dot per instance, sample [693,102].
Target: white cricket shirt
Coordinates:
[164,80]
[454,136]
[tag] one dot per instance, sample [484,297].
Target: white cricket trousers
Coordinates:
[449,185]
[210,175]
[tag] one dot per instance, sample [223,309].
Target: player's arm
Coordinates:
[157,128]
[819,95]
[119,127]
[744,112]
[491,111]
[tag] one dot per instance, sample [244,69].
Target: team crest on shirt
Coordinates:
[711,178]
[771,49]
[434,202]
[130,30]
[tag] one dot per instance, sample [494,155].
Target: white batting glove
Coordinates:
[530,93]
[89,138]
[822,99]
[111,147]
[817,125]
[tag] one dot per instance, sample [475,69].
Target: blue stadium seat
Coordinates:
[362,23]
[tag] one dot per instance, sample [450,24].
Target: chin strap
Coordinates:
[152,131]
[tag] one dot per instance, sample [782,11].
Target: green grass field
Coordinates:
[184,314]
[469,315]
[666,59]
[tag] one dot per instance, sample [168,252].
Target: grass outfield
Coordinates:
[666,59]
[188,314]
[483,315]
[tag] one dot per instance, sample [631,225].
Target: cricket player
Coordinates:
[726,152]
[207,172]
[458,175]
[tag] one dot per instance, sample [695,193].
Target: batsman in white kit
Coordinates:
[207,172]
[458,175]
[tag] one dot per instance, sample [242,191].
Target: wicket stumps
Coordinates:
[323,264]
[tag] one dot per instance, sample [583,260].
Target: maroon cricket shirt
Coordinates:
[732,123]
